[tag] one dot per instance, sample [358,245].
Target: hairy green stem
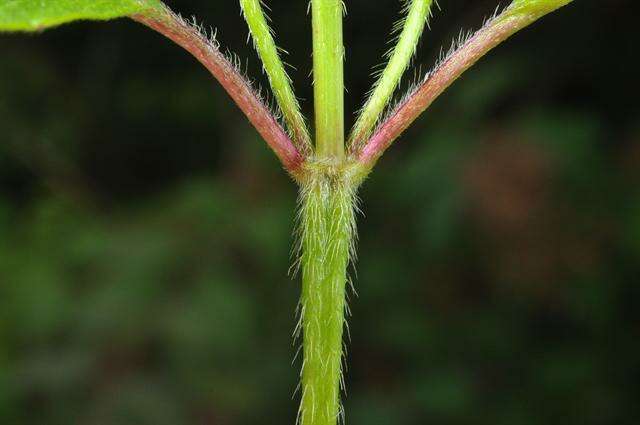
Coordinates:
[327,237]
[328,77]
[327,223]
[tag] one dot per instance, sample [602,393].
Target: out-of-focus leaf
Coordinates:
[538,7]
[34,15]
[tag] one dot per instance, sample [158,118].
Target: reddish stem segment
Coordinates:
[208,54]
[494,33]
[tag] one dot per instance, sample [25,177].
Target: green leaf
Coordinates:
[33,15]
[537,7]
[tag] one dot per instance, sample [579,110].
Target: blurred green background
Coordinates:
[145,230]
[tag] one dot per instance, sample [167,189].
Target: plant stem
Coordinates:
[327,234]
[328,77]
[327,226]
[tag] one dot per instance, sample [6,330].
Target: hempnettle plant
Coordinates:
[328,167]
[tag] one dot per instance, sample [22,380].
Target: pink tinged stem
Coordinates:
[493,33]
[240,90]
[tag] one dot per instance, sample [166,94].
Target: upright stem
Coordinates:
[328,76]
[328,227]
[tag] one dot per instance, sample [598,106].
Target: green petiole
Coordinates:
[278,77]
[417,13]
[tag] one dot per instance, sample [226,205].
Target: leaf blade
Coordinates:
[537,7]
[35,15]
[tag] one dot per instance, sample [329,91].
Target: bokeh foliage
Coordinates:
[146,232]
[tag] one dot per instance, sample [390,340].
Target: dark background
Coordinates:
[145,230]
